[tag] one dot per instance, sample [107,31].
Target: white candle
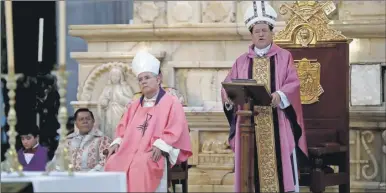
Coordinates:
[40,48]
[62,32]
[9,31]
[38,120]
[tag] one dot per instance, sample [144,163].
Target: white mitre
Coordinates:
[145,62]
[260,12]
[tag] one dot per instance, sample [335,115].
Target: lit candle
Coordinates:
[62,32]
[9,31]
[40,48]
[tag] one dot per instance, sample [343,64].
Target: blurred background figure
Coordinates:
[3,121]
[70,125]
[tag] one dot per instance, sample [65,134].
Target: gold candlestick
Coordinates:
[62,160]
[11,164]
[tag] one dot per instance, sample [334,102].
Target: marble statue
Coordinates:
[113,100]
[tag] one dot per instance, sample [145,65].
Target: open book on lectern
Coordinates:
[240,89]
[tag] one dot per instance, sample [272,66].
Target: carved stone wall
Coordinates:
[367,151]
[94,68]
[198,41]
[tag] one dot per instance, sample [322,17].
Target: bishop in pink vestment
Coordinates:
[273,66]
[155,121]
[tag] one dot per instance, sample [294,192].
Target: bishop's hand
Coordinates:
[156,153]
[275,99]
[113,149]
[229,102]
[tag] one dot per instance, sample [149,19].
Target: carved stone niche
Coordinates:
[368,151]
[213,160]
[94,79]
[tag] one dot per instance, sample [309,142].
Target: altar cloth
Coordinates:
[79,182]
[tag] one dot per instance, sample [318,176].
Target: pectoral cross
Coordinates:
[145,124]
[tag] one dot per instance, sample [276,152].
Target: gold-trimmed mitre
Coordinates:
[260,12]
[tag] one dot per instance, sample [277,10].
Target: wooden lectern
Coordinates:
[246,93]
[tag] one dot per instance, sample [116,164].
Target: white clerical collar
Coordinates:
[262,52]
[152,99]
[36,145]
[150,102]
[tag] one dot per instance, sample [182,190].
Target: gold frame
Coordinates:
[308,25]
[309,75]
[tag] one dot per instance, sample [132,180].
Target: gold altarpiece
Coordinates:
[321,57]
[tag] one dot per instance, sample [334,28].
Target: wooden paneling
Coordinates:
[327,119]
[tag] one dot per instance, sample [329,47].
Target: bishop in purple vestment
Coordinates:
[279,140]
[33,156]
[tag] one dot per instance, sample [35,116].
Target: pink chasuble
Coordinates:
[139,128]
[286,81]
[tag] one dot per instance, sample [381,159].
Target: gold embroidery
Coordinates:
[309,75]
[264,132]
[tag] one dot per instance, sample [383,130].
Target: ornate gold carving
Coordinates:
[309,75]
[308,23]
[304,36]
[265,134]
